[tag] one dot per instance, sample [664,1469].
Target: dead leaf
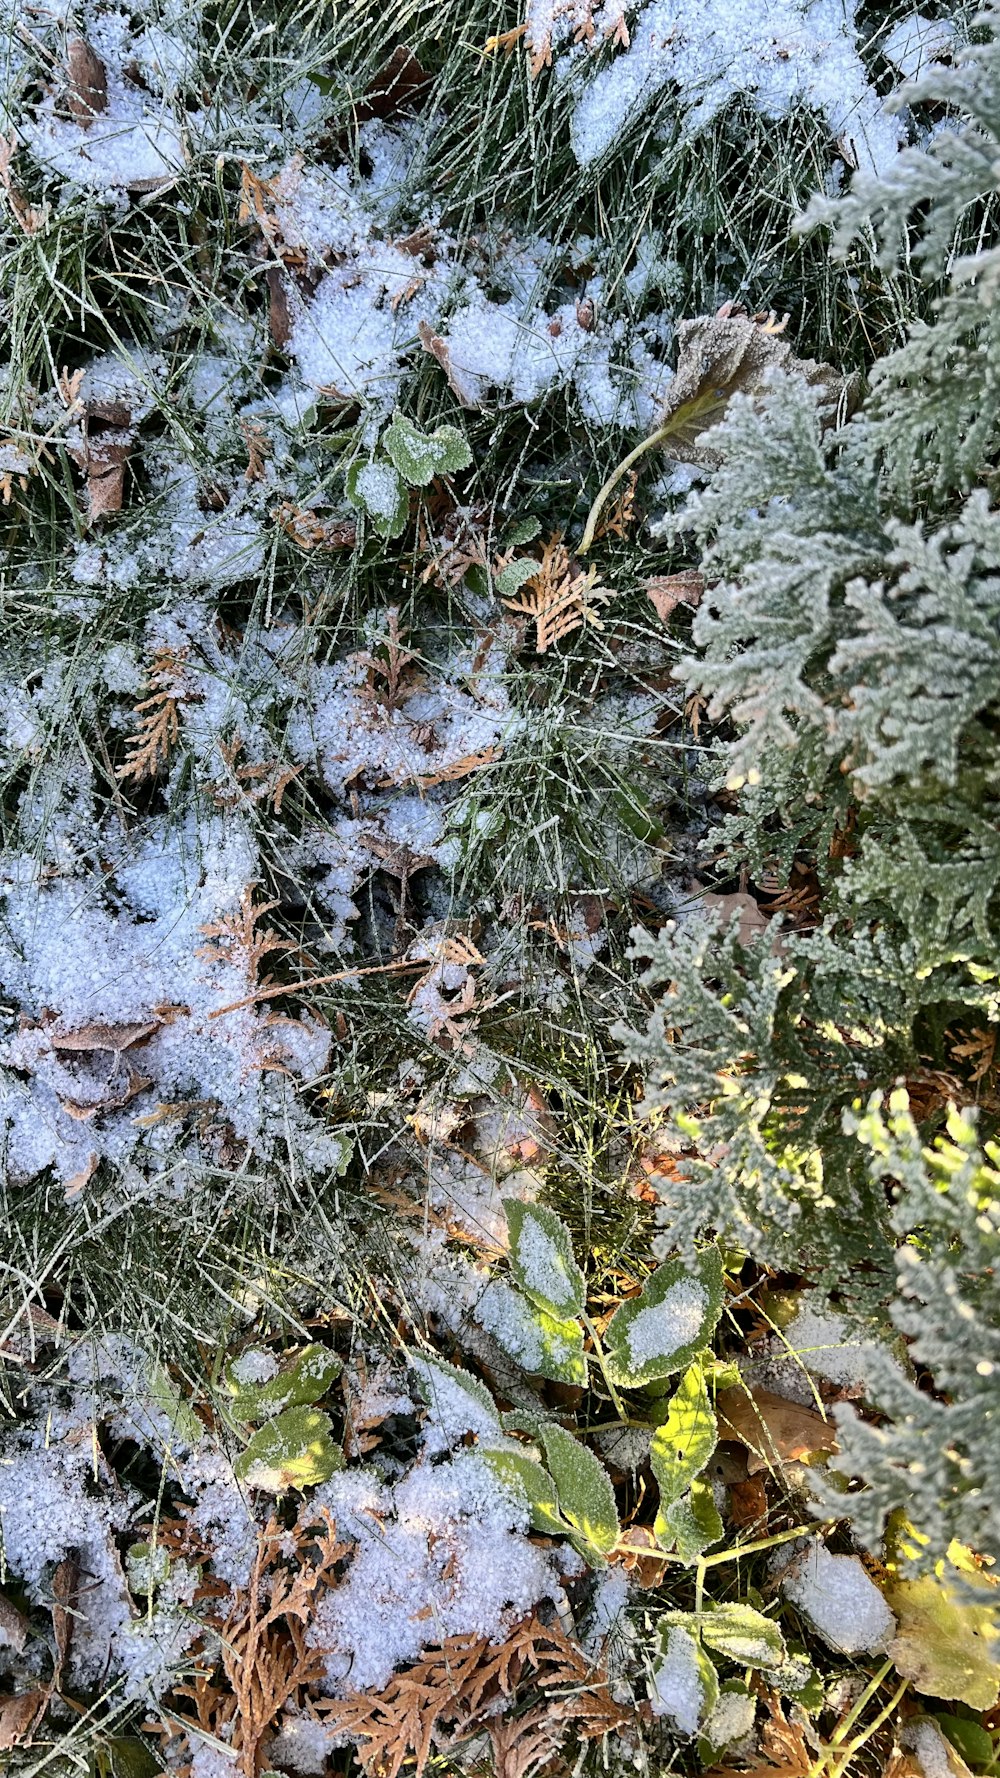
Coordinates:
[774,1430]
[278,315]
[465,393]
[747,1501]
[751,921]
[559,598]
[718,357]
[99,1036]
[18,1717]
[786,1751]
[65,1585]
[666,591]
[13,1626]
[400,85]
[77,1183]
[87,90]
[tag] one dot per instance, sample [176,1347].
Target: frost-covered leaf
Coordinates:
[511,579]
[293,1451]
[420,456]
[683,1444]
[430,1364]
[375,488]
[662,1329]
[586,1497]
[184,1422]
[259,1389]
[946,1645]
[542,1260]
[690,1525]
[537,1341]
[685,1685]
[743,1635]
[528,1481]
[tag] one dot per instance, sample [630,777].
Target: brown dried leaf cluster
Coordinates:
[560,597]
[159,723]
[468,1683]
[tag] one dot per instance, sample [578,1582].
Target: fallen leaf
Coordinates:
[465,393]
[99,1036]
[13,1626]
[18,1717]
[666,591]
[400,85]
[747,1501]
[65,1584]
[772,1428]
[76,1184]
[751,921]
[87,88]
[948,1645]
[278,316]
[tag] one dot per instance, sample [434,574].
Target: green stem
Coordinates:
[616,1400]
[764,1543]
[648,444]
[823,1765]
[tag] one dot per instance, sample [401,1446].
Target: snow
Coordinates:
[254,1366]
[916,41]
[378,486]
[677,1690]
[302,1744]
[827,1344]
[441,1553]
[779,53]
[662,1328]
[839,1598]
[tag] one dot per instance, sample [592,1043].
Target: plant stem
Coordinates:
[647,444]
[827,1766]
[616,1400]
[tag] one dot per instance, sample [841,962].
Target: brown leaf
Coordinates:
[99,1036]
[666,591]
[720,356]
[773,1429]
[13,1626]
[751,921]
[87,89]
[18,1717]
[278,315]
[65,1585]
[400,85]
[432,342]
[76,1184]
[747,1501]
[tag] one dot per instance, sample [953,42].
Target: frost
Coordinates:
[827,1344]
[664,1327]
[915,41]
[254,1366]
[841,1602]
[302,1745]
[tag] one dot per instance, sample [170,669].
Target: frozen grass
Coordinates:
[592,807]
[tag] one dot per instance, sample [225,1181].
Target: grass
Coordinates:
[200,1238]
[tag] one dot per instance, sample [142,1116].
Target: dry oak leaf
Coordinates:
[18,1717]
[666,591]
[772,1428]
[438,348]
[751,921]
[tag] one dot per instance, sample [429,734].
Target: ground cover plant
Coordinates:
[498,889]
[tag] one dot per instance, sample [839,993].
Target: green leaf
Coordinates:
[948,1645]
[184,1422]
[743,1635]
[685,1684]
[586,1497]
[420,456]
[521,531]
[535,1339]
[542,1260]
[528,1480]
[682,1445]
[305,1379]
[376,489]
[464,1379]
[664,1328]
[970,1739]
[511,579]
[293,1451]
[691,1524]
